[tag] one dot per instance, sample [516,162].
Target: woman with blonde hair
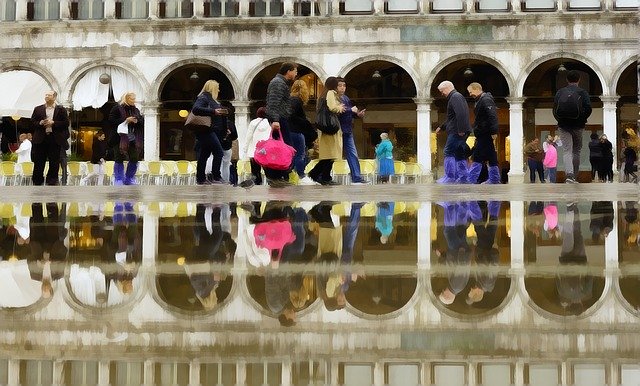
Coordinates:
[208,143]
[302,132]
[126,139]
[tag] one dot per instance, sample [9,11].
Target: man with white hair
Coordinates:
[457,127]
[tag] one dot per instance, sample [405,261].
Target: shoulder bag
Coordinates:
[198,123]
[326,121]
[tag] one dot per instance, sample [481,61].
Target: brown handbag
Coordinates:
[198,123]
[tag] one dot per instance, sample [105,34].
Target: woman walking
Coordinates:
[206,104]
[300,129]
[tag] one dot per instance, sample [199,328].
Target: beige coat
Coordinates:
[331,145]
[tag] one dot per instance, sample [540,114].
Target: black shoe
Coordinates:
[247,184]
[330,183]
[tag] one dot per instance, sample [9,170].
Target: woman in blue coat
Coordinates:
[384,156]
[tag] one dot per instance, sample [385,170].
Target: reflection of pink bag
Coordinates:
[274,235]
[274,153]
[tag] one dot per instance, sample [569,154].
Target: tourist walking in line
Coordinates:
[485,129]
[384,157]
[535,155]
[550,162]
[98,154]
[278,112]
[571,108]
[302,131]
[50,123]
[607,159]
[206,104]
[330,145]
[457,127]
[259,130]
[128,134]
[346,125]
[595,158]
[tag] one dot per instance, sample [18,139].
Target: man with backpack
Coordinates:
[571,108]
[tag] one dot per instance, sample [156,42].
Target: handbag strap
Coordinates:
[279,136]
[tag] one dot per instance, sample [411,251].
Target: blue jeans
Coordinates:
[550,173]
[300,159]
[351,154]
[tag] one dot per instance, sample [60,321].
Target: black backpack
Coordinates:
[569,104]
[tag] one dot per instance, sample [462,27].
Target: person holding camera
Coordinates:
[126,140]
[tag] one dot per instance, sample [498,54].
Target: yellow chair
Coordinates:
[367,169]
[74,168]
[340,171]
[183,172]
[25,174]
[8,173]
[155,172]
[170,171]
[141,172]
[108,172]
[399,171]
[413,172]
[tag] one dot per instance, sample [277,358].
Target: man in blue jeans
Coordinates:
[346,124]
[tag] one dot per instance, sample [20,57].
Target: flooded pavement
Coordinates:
[320,293]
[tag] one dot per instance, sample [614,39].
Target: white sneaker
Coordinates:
[307,181]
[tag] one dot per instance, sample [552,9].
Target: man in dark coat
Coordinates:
[50,123]
[457,127]
[485,129]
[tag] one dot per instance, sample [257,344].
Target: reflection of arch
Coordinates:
[79,72]
[361,304]
[254,284]
[468,56]
[526,72]
[628,304]
[36,68]
[245,90]
[164,75]
[615,78]
[601,285]
[384,58]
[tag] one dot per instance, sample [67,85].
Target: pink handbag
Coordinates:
[274,235]
[274,153]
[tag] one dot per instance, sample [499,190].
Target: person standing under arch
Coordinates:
[485,129]
[127,137]
[50,123]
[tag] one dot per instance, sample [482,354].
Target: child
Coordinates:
[99,150]
[384,155]
[24,150]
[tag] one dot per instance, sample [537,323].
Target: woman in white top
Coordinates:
[259,129]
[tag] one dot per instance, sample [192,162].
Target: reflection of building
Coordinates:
[410,337]
[392,53]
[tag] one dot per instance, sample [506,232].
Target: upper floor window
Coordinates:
[538,5]
[218,8]
[401,6]
[87,9]
[630,4]
[175,8]
[8,10]
[266,8]
[356,7]
[43,10]
[443,6]
[493,5]
[132,9]
[584,5]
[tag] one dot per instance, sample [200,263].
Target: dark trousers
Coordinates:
[322,171]
[535,166]
[256,171]
[485,151]
[596,168]
[209,144]
[40,153]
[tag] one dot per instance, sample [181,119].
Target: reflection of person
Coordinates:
[601,222]
[384,158]
[486,254]
[259,130]
[485,129]
[384,220]
[50,123]
[127,124]
[457,127]
[457,258]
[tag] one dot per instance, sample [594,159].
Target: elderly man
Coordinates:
[457,127]
[50,123]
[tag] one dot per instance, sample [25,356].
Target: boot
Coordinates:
[462,173]
[118,174]
[449,171]
[494,176]
[494,209]
[474,172]
[130,176]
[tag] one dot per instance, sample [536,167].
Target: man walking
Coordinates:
[50,123]
[278,111]
[457,127]
[485,129]
[346,124]
[571,108]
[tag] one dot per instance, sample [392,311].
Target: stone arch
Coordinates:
[413,300]
[615,78]
[410,70]
[162,78]
[622,300]
[467,56]
[524,75]
[44,72]
[253,72]
[75,76]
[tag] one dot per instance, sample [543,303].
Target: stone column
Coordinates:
[378,374]
[378,7]
[423,7]
[65,9]
[333,373]
[515,6]
[243,7]
[150,225]
[610,124]
[470,6]
[194,373]
[516,136]
[151,132]
[148,373]
[109,9]
[241,373]
[103,373]
[288,7]
[154,9]
[425,374]
[58,372]
[561,5]
[472,374]
[242,119]
[21,10]
[424,236]
[517,234]
[286,373]
[198,8]
[13,372]
[518,379]
[423,109]
[611,252]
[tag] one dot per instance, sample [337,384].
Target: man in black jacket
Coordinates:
[50,123]
[571,108]
[485,129]
[457,127]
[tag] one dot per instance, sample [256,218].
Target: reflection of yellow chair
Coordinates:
[109,208]
[340,171]
[413,172]
[8,172]
[400,168]
[399,207]
[340,209]
[182,209]
[368,209]
[413,207]
[6,211]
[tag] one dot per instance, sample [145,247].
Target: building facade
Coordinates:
[393,55]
